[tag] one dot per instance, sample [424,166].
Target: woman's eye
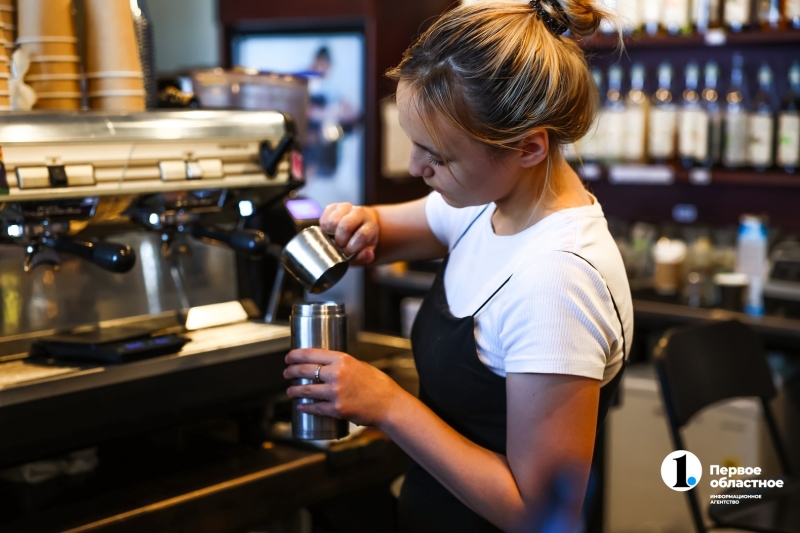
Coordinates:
[435,162]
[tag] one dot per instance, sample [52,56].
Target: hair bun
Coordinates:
[584,16]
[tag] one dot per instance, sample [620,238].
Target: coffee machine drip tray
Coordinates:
[108,345]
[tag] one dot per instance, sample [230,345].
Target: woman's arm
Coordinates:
[551,428]
[383,233]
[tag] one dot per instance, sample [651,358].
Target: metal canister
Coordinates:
[317,325]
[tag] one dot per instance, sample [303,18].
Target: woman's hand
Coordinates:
[352,389]
[355,230]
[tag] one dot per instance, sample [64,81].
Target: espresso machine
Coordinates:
[126,241]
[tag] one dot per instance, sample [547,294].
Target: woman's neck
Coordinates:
[529,202]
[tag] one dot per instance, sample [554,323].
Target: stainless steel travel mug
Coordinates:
[317,325]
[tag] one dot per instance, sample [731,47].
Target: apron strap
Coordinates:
[470,225]
[492,296]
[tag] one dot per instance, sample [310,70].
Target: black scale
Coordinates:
[109,345]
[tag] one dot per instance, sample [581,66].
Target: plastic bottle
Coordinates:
[751,259]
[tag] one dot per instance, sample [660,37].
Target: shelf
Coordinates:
[654,175]
[711,39]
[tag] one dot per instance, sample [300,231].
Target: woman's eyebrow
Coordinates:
[434,153]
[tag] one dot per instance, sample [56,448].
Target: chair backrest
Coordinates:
[705,363]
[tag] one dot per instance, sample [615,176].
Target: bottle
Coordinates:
[589,148]
[692,120]
[791,13]
[737,14]
[734,153]
[635,121]
[751,260]
[761,122]
[769,15]
[788,152]
[651,15]
[663,119]
[709,154]
[612,121]
[630,14]
[706,14]
[675,16]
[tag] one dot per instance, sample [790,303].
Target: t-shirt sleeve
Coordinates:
[560,318]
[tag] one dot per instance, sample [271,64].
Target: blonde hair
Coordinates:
[496,71]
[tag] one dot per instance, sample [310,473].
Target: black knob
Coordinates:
[110,256]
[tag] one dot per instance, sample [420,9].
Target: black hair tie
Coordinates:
[556,26]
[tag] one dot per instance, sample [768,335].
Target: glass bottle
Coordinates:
[791,13]
[770,16]
[734,153]
[692,121]
[675,16]
[761,123]
[635,117]
[706,14]
[589,148]
[651,15]
[737,14]
[612,121]
[663,119]
[709,155]
[788,152]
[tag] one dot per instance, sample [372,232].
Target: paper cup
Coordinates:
[53,67]
[7,17]
[48,48]
[57,103]
[45,17]
[100,85]
[5,103]
[55,86]
[110,38]
[117,103]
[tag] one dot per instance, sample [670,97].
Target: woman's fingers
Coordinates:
[308,371]
[311,355]
[321,391]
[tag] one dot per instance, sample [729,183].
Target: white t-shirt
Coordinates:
[555,314]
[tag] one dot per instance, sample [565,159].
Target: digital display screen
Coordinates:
[304,209]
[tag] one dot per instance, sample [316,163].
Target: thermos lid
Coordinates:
[318,309]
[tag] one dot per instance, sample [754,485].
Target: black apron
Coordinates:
[469,397]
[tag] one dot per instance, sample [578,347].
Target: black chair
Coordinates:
[703,364]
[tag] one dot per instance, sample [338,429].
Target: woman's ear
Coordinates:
[534,148]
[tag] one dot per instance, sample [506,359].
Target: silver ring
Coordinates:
[316,374]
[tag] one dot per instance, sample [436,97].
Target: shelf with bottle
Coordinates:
[679,23]
[699,135]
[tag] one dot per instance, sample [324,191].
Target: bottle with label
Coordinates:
[612,121]
[630,15]
[734,153]
[692,120]
[589,148]
[651,15]
[710,154]
[706,14]
[751,259]
[761,123]
[791,13]
[737,14]
[675,16]
[788,152]
[635,117]
[663,119]
[769,15]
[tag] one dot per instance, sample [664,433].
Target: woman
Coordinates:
[522,339]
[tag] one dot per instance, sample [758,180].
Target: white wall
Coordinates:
[186,34]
